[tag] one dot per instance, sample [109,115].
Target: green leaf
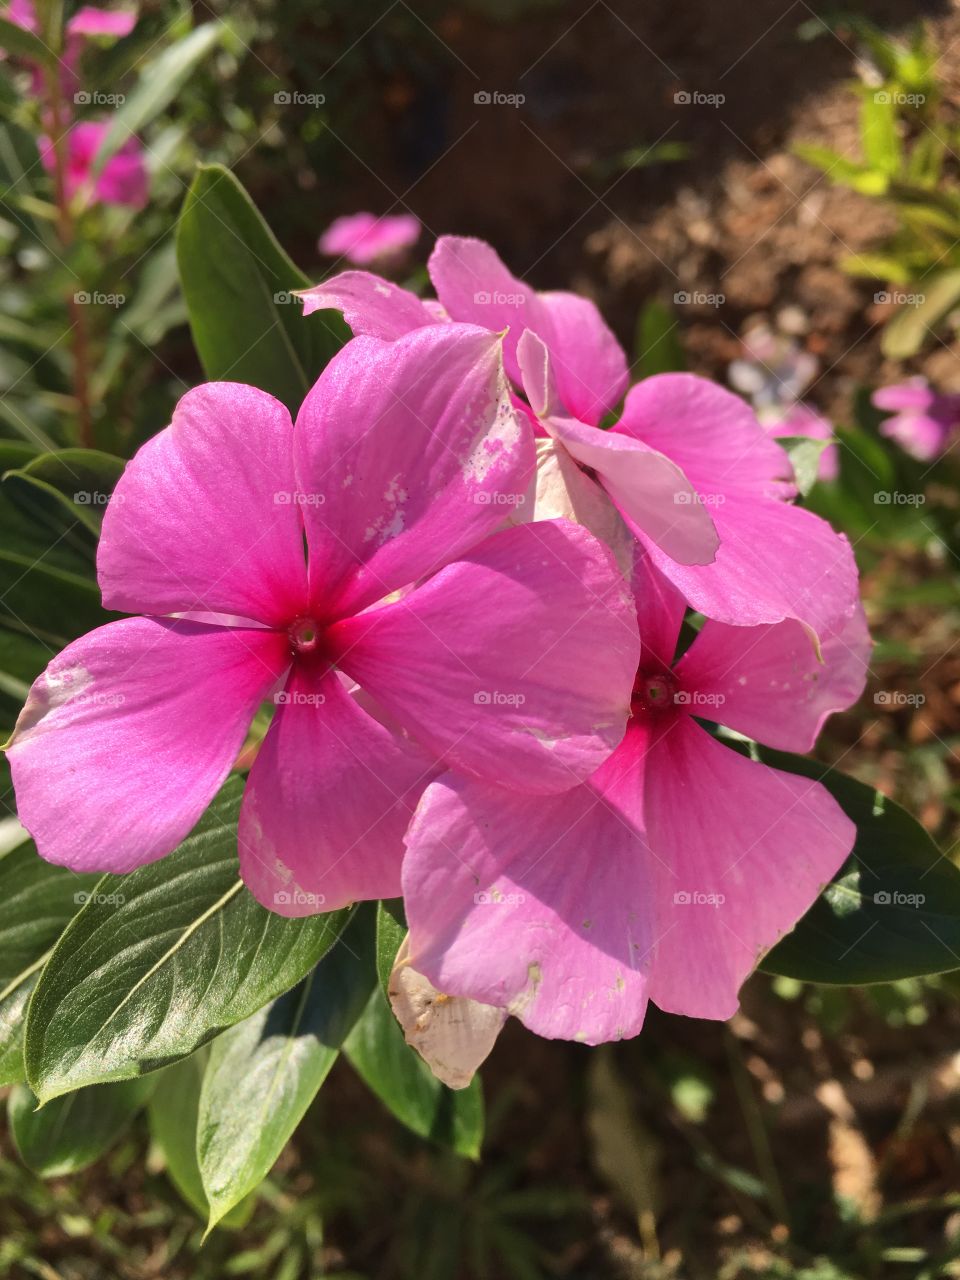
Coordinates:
[39,901]
[391,931]
[161,960]
[73,1131]
[878,132]
[910,328]
[238,283]
[24,44]
[844,172]
[158,86]
[804,455]
[658,347]
[402,1081]
[48,585]
[264,1073]
[82,481]
[173,1110]
[893,909]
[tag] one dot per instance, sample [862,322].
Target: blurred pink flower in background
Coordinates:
[773,372]
[87,23]
[123,179]
[364,238]
[923,420]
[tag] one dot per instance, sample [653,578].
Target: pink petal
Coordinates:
[129,733]
[590,364]
[648,488]
[365,238]
[371,306]
[710,433]
[329,797]
[91,21]
[124,179]
[540,906]
[775,561]
[514,664]
[660,612]
[206,516]
[474,285]
[742,852]
[413,452]
[652,493]
[766,682]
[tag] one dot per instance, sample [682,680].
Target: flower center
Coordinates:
[653,692]
[304,635]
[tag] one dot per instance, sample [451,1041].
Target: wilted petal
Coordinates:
[452,1035]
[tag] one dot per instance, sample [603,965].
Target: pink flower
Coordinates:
[703,488]
[123,180]
[670,871]
[922,421]
[88,22]
[474,286]
[364,238]
[482,650]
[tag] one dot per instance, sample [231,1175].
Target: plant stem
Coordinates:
[78,322]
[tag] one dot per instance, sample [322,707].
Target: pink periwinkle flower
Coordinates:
[668,873]
[474,646]
[123,180]
[87,23]
[364,238]
[922,420]
[702,485]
